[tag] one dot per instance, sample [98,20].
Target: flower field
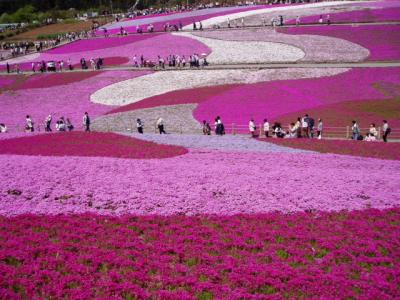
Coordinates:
[114,214]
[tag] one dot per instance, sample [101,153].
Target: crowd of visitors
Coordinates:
[304,127]
[62,124]
[372,134]
[172,60]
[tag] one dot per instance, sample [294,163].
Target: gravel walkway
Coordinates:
[224,143]
[178,119]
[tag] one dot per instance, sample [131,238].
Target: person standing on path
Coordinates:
[139,126]
[386,130]
[252,128]
[266,128]
[48,123]
[29,124]
[86,122]
[319,129]
[355,130]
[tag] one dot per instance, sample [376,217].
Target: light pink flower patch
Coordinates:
[47,96]
[200,182]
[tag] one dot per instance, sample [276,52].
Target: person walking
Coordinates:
[160,125]
[139,126]
[86,122]
[48,123]
[355,129]
[320,128]
[385,130]
[266,128]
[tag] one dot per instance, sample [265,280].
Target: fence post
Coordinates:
[379,133]
[233,128]
[261,130]
[347,132]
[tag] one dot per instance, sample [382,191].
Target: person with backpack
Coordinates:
[386,130]
[86,122]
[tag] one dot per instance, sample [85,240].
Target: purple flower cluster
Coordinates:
[304,255]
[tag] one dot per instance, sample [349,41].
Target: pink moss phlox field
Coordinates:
[303,255]
[39,81]
[98,43]
[201,181]
[341,114]
[356,148]
[70,100]
[381,40]
[97,144]
[177,18]
[357,16]
[5,81]
[276,98]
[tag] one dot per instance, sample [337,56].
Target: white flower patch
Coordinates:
[137,89]
[276,10]
[317,48]
[227,52]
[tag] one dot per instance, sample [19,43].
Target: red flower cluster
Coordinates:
[97,144]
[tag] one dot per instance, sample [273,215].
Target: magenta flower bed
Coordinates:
[196,95]
[80,143]
[274,99]
[356,148]
[5,81]
[358,16]
[68,100]
[383,41]
[98,43]
[341,114]
[47,80]
[202,181]
[304,255]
